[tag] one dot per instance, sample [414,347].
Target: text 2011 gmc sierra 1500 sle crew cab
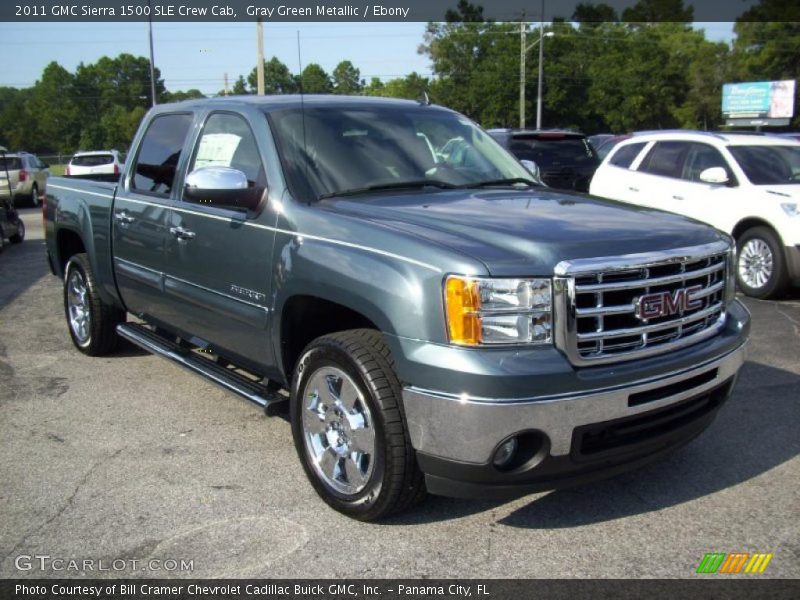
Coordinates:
[442,322]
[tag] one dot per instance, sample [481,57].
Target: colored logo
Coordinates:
[664,304]
[735,562]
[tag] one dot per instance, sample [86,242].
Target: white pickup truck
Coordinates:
[747,185]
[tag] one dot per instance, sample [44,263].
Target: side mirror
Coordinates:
[532,168]
[223,187]
[716,175]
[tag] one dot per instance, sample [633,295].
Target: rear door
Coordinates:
[141,211]
[659,183]
[219,260]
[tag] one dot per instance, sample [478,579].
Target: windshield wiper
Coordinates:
[398,185]
[507,181]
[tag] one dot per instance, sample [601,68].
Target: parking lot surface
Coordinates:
[129,458]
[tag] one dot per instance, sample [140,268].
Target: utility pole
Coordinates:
[152,60]
[226,83]
[522,49]
[260,63]
[541,58]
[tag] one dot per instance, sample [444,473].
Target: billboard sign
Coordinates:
[766,101]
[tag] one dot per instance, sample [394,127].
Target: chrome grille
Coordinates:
[599,318]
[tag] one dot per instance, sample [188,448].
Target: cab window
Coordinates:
[159,154]
[228,141]
[665,159]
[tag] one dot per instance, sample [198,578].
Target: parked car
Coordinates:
[747,185]
[11,226]
[442,322]
[23,177]
[96,162]
[566,159]
[606,145]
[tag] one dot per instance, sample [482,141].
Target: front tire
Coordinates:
[760,265]
[348,426]
[92,323]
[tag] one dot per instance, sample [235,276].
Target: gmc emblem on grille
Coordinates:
[664,304]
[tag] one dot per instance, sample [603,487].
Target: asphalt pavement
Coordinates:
[134,462]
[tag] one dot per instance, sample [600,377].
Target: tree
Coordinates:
[410,87]
[17,123]
[239,87]
[53,107]
[277,79]
[593,14]
[474,60]
[347,79]
[654,11]
[316,80]
[179,96]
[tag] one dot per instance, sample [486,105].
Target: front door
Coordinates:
[141,212]
[218,260]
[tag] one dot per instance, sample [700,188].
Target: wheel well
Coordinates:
[68,244]
[749,223]
[305,318]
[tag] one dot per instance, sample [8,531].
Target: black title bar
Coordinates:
[354,10]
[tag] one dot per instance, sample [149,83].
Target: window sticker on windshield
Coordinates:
[217,149]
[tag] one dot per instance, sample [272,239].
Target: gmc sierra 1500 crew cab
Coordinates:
[441,321]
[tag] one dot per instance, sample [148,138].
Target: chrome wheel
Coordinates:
[338,430]
[755,263]
[80,319]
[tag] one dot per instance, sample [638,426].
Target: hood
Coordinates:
[527,232]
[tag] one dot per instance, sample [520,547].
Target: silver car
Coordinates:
[23,177]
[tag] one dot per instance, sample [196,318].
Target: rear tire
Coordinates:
[35,195]
[18,237]
[92,323]
[348,426]
[760,264]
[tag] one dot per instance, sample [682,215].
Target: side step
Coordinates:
[230,380]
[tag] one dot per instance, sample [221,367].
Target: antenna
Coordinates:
[302,106]
[423,99]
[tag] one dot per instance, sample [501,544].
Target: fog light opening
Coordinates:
[505,453]
[521,452]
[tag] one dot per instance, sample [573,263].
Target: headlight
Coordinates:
[791,209]
[482,311]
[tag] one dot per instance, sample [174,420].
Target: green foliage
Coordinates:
[410,87]
[277,79]
[347,79]
[316,80]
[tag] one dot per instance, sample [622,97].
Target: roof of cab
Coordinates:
[296,101]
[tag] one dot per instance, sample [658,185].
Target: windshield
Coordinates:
[769,165]
[349,149]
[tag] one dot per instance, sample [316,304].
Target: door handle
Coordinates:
[677,197]
[123,218]
[633,189]
[181,233]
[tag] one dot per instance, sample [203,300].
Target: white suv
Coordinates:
[747,185]
[96,162]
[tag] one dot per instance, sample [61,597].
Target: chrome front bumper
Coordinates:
[469,429]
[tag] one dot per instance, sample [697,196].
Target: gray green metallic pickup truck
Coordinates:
[440,320]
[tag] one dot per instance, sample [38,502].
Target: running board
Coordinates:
[228,379]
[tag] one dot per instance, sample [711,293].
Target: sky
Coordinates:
[197,55]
